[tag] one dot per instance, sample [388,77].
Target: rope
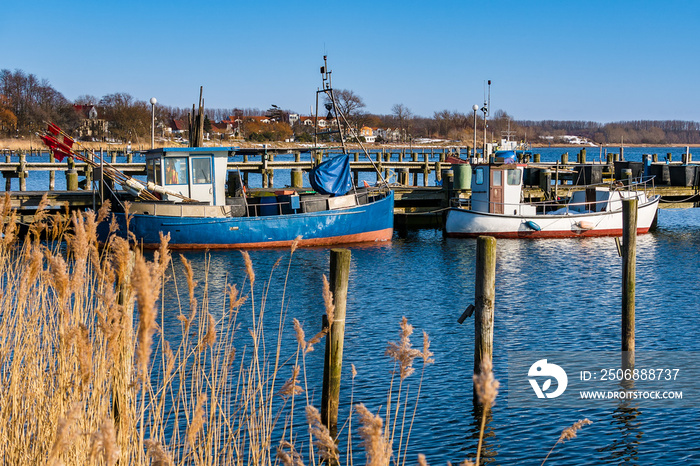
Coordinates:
[429,212]
[687,199]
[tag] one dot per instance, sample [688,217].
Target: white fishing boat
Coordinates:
[497,208]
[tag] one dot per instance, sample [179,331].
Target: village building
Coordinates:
[91,126]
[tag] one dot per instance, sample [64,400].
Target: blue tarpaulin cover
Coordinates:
[332,176]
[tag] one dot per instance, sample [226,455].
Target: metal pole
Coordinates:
[475,108]
[153,122]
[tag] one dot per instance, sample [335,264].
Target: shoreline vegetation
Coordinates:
[89,377]
[26,144]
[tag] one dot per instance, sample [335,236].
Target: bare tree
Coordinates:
[404,116]
[129,119]
[349,104]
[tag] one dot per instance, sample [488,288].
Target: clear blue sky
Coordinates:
[594,60]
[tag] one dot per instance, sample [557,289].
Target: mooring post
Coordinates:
[71,175]
[426,169]
[297,177]
[536,158]
[484,299]
[52,173]
[8,178]
[629,265]
[264,172]
[403,176]
[22,171]
[339,276]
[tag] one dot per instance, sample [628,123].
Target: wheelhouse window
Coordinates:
[497,179]
[153,171]
[514,177]
[479,175]
[201,170]
[176,170]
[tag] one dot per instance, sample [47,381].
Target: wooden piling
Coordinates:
[339,277]
[297,178]
[8,178]
[536,158]
[403,176]
[629,264]
[52,173]
[484,299]
[426,169]
[22,171]
[71,175]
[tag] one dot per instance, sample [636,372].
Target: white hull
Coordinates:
[469,223]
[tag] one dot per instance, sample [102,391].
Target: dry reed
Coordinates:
[486,388]
[568,434]
[85,381]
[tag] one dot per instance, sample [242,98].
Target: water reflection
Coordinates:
[624,449]
[489,444]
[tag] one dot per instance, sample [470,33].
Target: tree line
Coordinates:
[27,102]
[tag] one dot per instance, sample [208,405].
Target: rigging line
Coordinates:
[367,154]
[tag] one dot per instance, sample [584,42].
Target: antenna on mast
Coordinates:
[489,106]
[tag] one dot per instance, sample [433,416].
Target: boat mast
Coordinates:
[331,106]
[328,90]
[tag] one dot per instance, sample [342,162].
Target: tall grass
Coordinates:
[88,376]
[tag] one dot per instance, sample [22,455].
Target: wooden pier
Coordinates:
[417,205]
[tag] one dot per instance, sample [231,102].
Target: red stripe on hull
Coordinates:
[371,236]
[546,234]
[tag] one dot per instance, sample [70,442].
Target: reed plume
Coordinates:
[249,268]
[104,444]
[377,449]
[291,387]
[403,353]
[486,388]
[66,433]
[568,434]
[158,456]
[328,301]
[287,454]
[191,285]
[327,449]
[197,422]
[147,314]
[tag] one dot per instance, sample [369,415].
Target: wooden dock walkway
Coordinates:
[417,203]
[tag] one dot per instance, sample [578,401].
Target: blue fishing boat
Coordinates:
[197,212]
[186,196]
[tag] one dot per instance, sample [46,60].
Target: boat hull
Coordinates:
[462,223]
[370,222]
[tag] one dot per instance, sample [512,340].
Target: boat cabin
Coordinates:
[497,189]
[195,172]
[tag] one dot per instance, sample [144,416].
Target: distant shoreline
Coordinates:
[34,144]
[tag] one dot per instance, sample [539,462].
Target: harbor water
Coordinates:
[551,295]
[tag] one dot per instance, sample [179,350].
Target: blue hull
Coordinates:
[365,223]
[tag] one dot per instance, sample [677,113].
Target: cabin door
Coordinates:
[202,181]
[496,192]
